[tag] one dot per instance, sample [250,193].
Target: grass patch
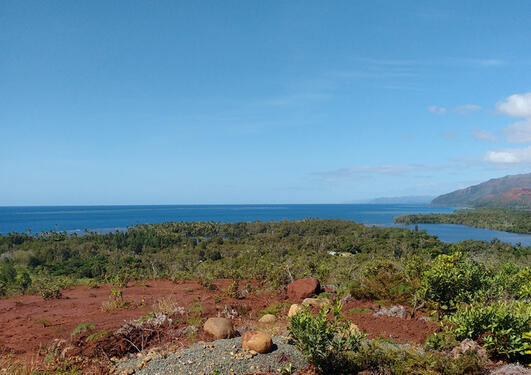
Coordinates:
[275,309]
[359,310]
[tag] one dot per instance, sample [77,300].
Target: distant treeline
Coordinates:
[517,221]
[274,252]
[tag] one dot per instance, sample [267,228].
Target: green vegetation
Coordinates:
[82,328]
[324,342]
[384,263]
[498,326]
[517,221]
[477,289]
[275,309]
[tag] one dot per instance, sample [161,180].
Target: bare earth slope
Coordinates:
[470,195]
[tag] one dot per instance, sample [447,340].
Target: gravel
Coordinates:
[217,357]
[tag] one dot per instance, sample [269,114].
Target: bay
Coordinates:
[104,219]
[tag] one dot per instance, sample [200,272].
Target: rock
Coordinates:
[510,369]
[303,288]
[330,288]
[295,309]
[189,330]
[394,311]
[244,328]
[318,302]
[468,345]
[268,318]
[220,328]
[258,341]
[345,298]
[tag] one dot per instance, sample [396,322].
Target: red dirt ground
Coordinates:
[28,323]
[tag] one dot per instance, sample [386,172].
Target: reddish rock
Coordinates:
[303,288]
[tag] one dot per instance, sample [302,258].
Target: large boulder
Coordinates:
[303,288]
[258,341]
[220,328]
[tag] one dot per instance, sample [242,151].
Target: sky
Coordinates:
[219,102]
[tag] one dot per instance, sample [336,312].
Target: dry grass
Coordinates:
[165,305]
[12,366]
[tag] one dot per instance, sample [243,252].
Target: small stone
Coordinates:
[268,318]
[295,309]
[258,341]
[318,302]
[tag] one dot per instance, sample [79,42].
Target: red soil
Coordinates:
[28,323]
[412,331]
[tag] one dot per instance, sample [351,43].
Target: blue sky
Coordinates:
[168,102]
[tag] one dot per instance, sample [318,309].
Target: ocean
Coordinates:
[104,219]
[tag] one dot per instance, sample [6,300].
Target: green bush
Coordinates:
[324,342]
[499,326]
[452,280]
[382,279]
[379,358]
[441,341]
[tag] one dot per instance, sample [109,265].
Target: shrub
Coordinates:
[116,301]
[322,341]
[383,279]
[499,327]
[441,341]
[451,280]
[50,291]
[380,358]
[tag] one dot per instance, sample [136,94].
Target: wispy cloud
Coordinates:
[436,109]
[460,109]
[483,135]
[443,61]
[510,156]
[391,169]
[465,109]
[450,136]
[519,132]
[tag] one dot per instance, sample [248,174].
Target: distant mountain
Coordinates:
[421,199]
[508,191]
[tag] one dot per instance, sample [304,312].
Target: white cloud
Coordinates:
[437,109]
[467,108]
[483,135]
[519,132]
[461,109]
[518,105]
[511,156]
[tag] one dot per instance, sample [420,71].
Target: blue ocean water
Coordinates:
[110,218]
